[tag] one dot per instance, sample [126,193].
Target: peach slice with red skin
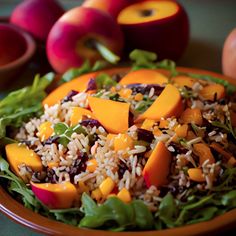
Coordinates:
[144,76]
[114,116]
[55,196]
[157,168]
[168,104]
[18,154]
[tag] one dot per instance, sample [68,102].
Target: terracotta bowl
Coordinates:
[17,212]
[16,49]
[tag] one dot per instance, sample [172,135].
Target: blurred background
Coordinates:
[210,23]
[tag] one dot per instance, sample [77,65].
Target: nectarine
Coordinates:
[229,55]
[37,16]
[160,26]
[75,37]
[110,6]
[57,196]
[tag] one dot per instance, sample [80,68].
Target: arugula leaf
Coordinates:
[18,186]
[143,59]
[104,81]
[22,104]
[144,105]
[85,68]
[115,215]
[69,216]
[204,214]
[143,217]
[168,65]
[168,210]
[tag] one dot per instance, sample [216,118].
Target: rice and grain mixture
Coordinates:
[84,153]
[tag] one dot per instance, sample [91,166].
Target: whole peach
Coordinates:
[160,26]
[72,38]
[37,16]
[229,55]
[110,6]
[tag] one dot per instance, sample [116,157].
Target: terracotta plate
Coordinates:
[14,210]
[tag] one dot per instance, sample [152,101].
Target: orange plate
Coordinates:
[14,210]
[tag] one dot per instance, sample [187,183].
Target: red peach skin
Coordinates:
[68,41]
[110,6]
[55,196]
[37,16]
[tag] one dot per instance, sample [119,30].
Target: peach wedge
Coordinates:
[168,104]
[79,84]
[55,196]
[18,154]
[114,116]
[157,168]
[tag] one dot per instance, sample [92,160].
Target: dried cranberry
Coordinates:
[91,85]
[178,148]
[52,140]
[69,96]
[51,177]
[145,88]
[122,168]
[79,165]
[131,119]
[91,123]
[145,135]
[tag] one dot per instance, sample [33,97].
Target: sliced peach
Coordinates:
[78,113]
[212,92]
[196,175]
[18,154]
[168,104]
[114,116]
[191,115]
[144,76]
[183,80]
[157,168]
[55,196]
[79,84]
[204,153]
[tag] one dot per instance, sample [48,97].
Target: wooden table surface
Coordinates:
[210,21]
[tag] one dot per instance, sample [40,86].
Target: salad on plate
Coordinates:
[137,148]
